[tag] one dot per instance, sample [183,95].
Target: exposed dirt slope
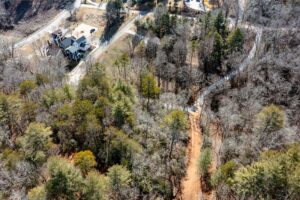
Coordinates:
[191,185]
[13,11]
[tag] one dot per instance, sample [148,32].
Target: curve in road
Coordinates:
[80,70]
[191,184]
[230,76]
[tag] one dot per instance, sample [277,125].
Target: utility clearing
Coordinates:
[191,184]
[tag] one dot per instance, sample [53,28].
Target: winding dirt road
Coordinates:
[191,184]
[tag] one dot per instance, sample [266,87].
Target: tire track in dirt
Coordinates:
[191,185]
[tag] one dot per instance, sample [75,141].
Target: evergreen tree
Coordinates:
[235,40]
[113,12]
[81,108]
[41,79]
[224,174]
[274,176]
[217,53]
[122,113]
[95,187]
[149,87]
[162,21]
[164,26]
[207,22]
[36,142]
[271,118]
[37,193]
[85,160]
[65,180]
[119,179]
[9,114]
[26,87]
[122,64]
[119,147]
[205,162]
[220,24]
[177,122]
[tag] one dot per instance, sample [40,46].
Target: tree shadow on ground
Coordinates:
[110,31]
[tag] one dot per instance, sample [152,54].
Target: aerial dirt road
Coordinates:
[191,186]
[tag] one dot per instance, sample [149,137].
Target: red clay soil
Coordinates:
[191,186]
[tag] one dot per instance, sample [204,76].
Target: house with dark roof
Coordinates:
[69,41]
[71,47]
[73,53]
[83,44]
[57,36]
[81,40]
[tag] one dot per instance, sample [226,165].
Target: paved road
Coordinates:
[197,109]
[230,76]
[103,7]
[91,4]
[200,101]
[52,26]
[218,84]
[80,70]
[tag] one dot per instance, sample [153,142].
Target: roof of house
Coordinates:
[81,39]
[67,42]
[57,32]
[72,49]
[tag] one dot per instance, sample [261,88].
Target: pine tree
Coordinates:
[217,53]
[122,64]
[27,86]
[122,113]
[96,187]
[113,12]
[85,160]
[162,21]
[177,122]
[37,193]
[81,108]
[35,143]
[274,176]
[235,40]
[149,87]
[205,162]
[65,181]
[220,24]
[164,25]
[270,118]
[207,22]
[119,180]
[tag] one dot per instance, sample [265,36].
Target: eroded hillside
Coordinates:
[13,11]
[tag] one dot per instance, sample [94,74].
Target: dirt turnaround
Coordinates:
[191,186]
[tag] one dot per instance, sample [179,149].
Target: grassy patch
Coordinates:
[109,57]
